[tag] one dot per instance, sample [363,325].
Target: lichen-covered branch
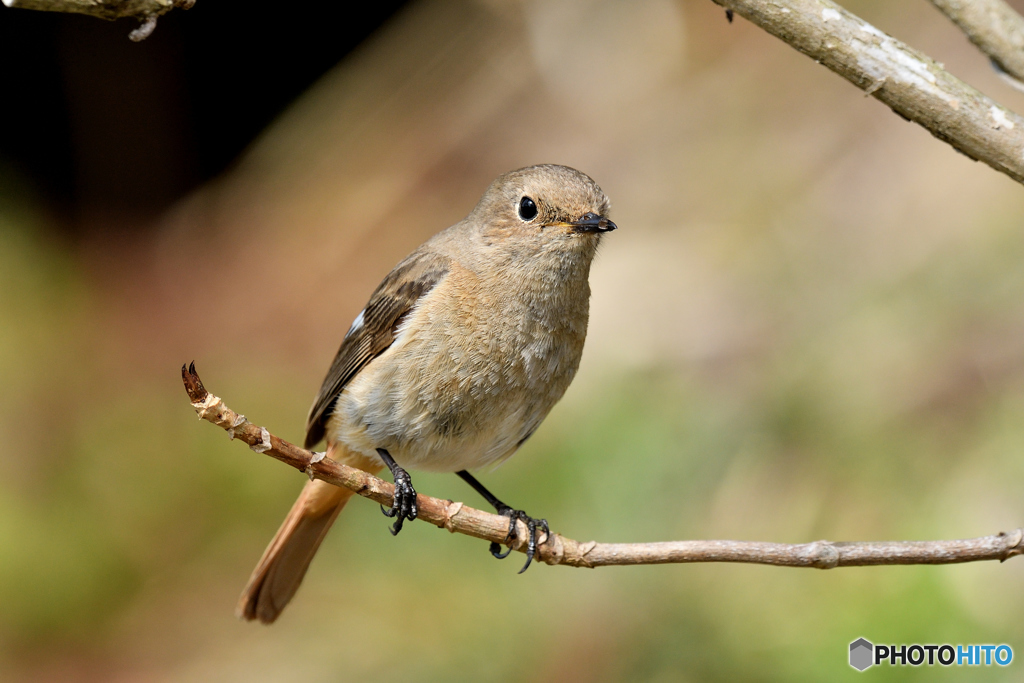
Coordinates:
[909,82]
[146,11]
[557,549]
[995,27]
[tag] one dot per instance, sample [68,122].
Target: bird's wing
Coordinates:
[374,330]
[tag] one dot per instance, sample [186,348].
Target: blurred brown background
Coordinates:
[809,326]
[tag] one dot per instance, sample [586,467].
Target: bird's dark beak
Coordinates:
[592,223]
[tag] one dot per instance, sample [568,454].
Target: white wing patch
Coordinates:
[356,324]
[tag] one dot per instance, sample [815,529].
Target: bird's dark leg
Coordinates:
[404,504]
[513,515]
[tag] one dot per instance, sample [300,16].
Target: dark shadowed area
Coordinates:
[809,325]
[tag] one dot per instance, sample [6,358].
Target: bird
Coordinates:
[460,353]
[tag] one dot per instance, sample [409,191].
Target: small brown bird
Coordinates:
[457,358]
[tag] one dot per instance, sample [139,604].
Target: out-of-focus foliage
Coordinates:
[809,326]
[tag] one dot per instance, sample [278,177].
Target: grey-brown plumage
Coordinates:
[375,330]
[459,355]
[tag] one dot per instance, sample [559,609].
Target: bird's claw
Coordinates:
[496,551]
[404,504]
[531,543]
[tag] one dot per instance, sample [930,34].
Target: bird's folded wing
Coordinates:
[374,330]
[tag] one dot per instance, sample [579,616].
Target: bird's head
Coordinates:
[544,208]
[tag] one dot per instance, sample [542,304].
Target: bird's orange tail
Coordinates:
[286,559]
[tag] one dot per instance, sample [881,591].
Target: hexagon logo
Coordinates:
[861,654]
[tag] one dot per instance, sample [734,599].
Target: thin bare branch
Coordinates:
[558,549]
[996,28]
[909,82]
[146,11]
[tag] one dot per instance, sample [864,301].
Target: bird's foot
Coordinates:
[403,506]
[531,526]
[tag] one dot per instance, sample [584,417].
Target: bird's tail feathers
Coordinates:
[286,559]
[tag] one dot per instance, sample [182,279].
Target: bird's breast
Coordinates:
[471,374]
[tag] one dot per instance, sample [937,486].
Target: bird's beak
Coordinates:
[592,223]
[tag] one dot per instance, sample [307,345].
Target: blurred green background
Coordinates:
[810,325]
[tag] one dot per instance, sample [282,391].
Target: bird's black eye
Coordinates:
[527,209]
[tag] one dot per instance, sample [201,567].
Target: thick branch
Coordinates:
[911,83]
[994,27]
[557,549]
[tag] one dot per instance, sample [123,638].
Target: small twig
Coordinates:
[912,84]
[557,549]
[995,28]
[145,29]
[146,11]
